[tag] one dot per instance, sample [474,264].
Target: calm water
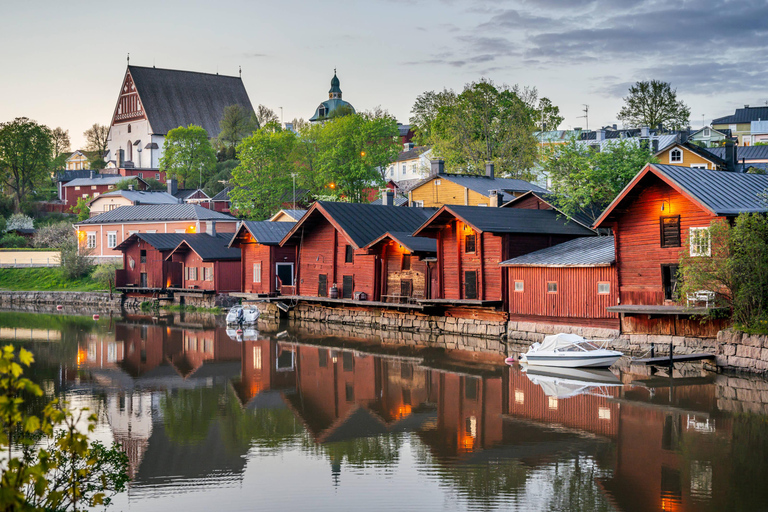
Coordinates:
[303,418]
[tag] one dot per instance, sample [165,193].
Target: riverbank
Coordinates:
[44,279]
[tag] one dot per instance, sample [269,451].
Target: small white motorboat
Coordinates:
[569,382]
[240,315]
[569,351]
[240,335]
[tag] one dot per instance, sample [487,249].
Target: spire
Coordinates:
[335,91]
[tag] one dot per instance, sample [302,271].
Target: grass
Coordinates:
[44,279]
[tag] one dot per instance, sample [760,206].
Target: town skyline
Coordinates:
[386,54]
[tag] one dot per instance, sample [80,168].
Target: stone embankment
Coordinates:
[94,300]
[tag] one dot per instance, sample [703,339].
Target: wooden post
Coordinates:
[670,358]
[481,281]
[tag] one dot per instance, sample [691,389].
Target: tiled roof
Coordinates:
[210,248]
[268,233]
[743,115]
[99,179]
[173,98]
[593,251]
[142,197]
[157,212]
[746,152]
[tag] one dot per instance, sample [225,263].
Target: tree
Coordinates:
[81,209]
[486,124]
[19,221]
[188,155]
[264,172]
[549,117]
[26,149]
[51,464]
[236,124]
[264,116]
[97,163]
[425,110]
[96,138]
[585,181]
[54,235]
[125,184]
[654,103]
[61,146]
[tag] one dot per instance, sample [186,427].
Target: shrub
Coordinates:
[105,274]
[54,235]
[12,240]
[74,264]
[153,184]
[19,221]
[81,209]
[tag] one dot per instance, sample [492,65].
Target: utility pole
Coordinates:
[586,114]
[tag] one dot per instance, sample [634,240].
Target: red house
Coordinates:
[208,264]
[408,265]
[94,186]
[473,240]
[220,202]
[333,240]
[145,269]
[266,267]
[664,210]
[570,283]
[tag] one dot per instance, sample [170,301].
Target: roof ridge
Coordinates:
[131,66]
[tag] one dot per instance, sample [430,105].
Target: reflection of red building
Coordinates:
[266,366]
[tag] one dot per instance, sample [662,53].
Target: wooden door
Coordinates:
[470,284]
[322,285]
[347,289]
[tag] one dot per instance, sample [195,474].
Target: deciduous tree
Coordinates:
[236,124]
[26,150]
[264,116]
[653,103]
[188,155]
[96,138]
[61,146]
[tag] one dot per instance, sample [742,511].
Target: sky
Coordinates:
[63,62]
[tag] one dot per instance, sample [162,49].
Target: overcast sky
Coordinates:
[63,62]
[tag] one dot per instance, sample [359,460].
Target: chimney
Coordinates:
[655,146]
[437,167]
[730,156]
[213,228]
[119,158]
[172,189]
[615,127]
[683,137]
[494,202]
[130,187]
[388,198]
[600,135]
[91,173]
[489,171]
[645,132]
[746,106]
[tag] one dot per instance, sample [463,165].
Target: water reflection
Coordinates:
[199,411]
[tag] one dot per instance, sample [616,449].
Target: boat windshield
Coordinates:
[582,346]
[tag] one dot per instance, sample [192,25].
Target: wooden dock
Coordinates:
[679,358]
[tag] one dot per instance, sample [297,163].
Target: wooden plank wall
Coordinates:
[153,267]
[393,256]
[226,276]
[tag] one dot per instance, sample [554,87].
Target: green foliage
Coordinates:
[74,263]
[26,154]
[264,116]
[188,156]
[549,117]
[218,181]
[19,221]
[147,306]
[236,124]
[585,180]
[651,103]
[96,138]
[43,279]
[125,184]
[425,110]
[153,184]
[486,123]
[81,209]
[737,269]
[97,163]
[61,144]
[104,274]
[51,464]
[13,240]
[54,235]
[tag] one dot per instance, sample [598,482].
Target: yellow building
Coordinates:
[690,155]
[740,123]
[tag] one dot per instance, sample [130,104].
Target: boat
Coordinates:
[240,315]
[247,334]
[569,351]
[569,382]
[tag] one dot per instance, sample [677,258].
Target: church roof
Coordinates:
[335,84]
[330,106]
[173,98]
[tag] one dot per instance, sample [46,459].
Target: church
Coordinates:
[333,104]
[153,101]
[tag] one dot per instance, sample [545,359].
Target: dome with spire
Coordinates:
[333,103]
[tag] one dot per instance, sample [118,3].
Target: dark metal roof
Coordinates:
[294,214]
[744,115]
[399,201]
[593,251]
[724,193]
[410,242]
[702,152]
[746,152]
[268,233]
[223,195]
[583,217]
[142,197]
[513,220]
[209,248]
[160,241]
[412,153]
[184,193]
[483,185]
[174,98]
[71,175]
[157,212]
[99,179]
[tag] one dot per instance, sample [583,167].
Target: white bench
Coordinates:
[704,296]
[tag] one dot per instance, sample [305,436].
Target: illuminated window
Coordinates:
[519,286]
[551,287]
[257,358]
[77,188]
[603,288]
[470,243]
[604,413]
[552,402]
[670,231]
[257,272]
[93,187]
[698,239]
[519,397]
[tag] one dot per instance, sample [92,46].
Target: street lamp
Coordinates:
[293,175]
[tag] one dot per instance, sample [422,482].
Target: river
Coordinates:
[300,417]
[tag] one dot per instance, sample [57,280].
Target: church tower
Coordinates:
[333,103]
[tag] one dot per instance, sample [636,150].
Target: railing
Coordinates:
[27,259]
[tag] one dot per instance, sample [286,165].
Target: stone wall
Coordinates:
[96,300]
[741,351]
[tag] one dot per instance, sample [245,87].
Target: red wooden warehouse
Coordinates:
[209,265]
[664,210]
[266,267]
[332,239]
[473,240]
[408,265]
[571,283]
[145,269]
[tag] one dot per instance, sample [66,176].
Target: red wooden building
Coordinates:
[571,283]
[208,264]
[145,269]
[266,267]
[664,210]
[408,265]
[332,239]
[473,240]
[94,186]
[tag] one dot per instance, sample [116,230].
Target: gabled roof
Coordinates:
[294,214]
[157,212]
[141,197]
[697,150]
[743,152]
[160,241]
[412,153]
[173,98]
[593,251]
[361,223]
[265,232]
[483,184]
[101,179]
[506,220]
[407,240]
[581,217]
[717,192]
[743,115]
[209,248]
[399,200]
[725,132]
[65,175]
[185,193]
[223,195]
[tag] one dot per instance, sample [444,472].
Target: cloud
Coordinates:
[254,55]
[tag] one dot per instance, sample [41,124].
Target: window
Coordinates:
[110,187]
[706,132]
[112,240]
[77,188]
[519,286]
[403,168]
[603,288]
[698,239]
[322,285]
[669,281]
[191,273]
[670,231]
[143,256]
[347,287]
[208,273]
[348,361]
[157,175]
[469,243]
[95,194]
[438,182]
[349,392]
[93,187]
[699,166]
[675,156]
[418,204]
[470,285]
[519,397]
[129,128]
[604,413]
[551,287]
[284,274]
[257,272]
[180,231]
[470,388]
[91,240]
[322,358]
[482,204]
[141,175]
[151,231]
[349,256]
[406,262]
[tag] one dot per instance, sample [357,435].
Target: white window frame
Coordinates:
[695,242]
[90,239]
[111,239]
[207,273]
[77,188]
[606,288]
[94,187]
[699,166]
[555,287]
[418,204]
[257,272]
[676,152]
[519,286]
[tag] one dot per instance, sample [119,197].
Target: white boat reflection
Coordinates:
[569,382]
[247,334]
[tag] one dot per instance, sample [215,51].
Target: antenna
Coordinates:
[240,71]
[129,59]
[586,114]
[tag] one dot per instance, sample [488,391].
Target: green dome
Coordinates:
[335,84]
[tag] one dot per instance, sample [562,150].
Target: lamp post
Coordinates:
[293,175]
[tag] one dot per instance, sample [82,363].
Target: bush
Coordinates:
[81,209]
[73,264]
[153,184]
[11,240]
[19,221]
[105,274]
[54,235]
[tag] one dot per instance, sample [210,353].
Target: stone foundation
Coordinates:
[94,300]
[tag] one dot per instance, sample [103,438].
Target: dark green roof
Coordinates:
[335,84]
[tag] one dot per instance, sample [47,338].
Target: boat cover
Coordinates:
[557,341]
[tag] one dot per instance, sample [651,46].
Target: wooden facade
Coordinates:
[407,271]
[266,267]
[145,266]
[438,190]
[198,273]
